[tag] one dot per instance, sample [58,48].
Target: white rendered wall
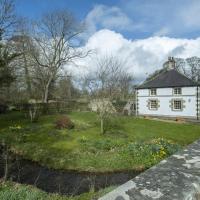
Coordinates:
[164,95]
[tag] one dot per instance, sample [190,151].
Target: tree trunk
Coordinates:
[46,94]
[46,91]
[46,97]
[6,163]
[27,76]
[102,126]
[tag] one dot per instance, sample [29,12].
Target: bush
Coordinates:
[158,148]
[64,122]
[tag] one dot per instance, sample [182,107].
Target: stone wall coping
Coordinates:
[175,178]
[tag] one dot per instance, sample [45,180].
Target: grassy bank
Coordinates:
[14,191]
[132,144]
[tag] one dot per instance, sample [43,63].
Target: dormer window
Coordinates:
[177,91]
[153,92]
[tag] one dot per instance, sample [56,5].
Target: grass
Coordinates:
[13,191]
[85,149]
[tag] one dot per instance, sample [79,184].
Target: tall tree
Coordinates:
[7,50]
[25,46]
[56,42]
[125,86]
[190,67]
[7,18]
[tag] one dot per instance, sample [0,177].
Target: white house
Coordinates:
[169,94]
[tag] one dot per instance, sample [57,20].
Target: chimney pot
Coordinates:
[170,64]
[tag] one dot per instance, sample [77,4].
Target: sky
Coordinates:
[142,32]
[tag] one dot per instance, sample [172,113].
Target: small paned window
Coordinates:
[177,105]
[177,91]
[153,104]
[152,92]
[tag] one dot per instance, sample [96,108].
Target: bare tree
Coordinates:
[8,51]
[64,87]
[56,44]
[25,62]
[126,85]
[104,85]
[190,67]
[7,18]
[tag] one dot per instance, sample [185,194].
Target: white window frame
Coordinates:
[175,91]
[181,105]
[153,93]
[150,104]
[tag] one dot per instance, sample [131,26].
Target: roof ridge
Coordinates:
[169,78]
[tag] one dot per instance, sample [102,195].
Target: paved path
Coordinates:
[176,178]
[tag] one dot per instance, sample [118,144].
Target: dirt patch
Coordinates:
[177,121]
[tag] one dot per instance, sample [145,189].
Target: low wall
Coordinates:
[176,178]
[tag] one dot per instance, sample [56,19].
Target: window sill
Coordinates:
[177,110]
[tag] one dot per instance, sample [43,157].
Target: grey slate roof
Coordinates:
[171,78]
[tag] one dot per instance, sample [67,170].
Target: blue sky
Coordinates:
[141,32]
[80,8]
[134,19]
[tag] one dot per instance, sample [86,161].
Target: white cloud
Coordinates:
[102,16]
[167,17]
[178,18]
[143,56]
[171,18]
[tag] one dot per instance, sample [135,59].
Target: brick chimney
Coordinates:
[170,64]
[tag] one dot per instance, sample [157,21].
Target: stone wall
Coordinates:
[176,178]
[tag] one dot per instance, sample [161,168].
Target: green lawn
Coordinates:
[14,191]
[131,144]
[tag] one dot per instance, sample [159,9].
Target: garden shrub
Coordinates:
[158,148]
[169,146]
[64,122]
